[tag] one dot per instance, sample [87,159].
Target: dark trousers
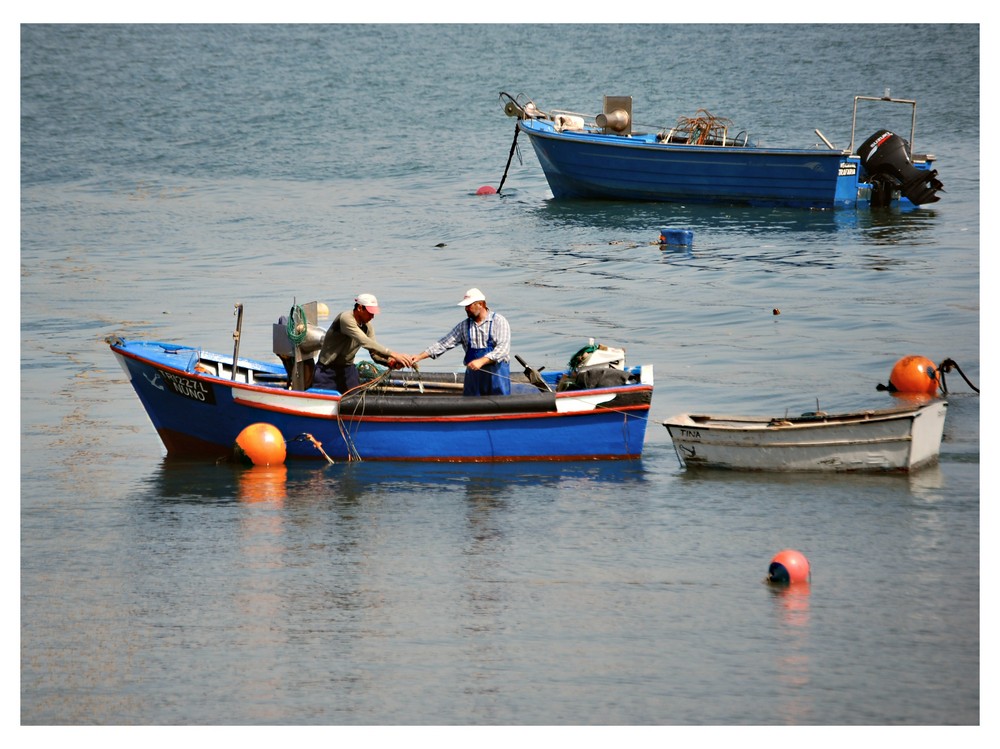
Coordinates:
[336,378]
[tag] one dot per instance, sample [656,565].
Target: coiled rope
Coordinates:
[297,326]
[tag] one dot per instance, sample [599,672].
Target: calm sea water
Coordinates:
[169,173]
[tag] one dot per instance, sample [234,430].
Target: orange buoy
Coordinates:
[486,190]
[260,444]
[788,566]
[914,374]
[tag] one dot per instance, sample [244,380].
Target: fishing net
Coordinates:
[369,371]
[580,356]
[703,128]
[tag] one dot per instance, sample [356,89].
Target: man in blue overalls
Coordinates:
[485,336]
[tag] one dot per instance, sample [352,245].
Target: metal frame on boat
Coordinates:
[899,439]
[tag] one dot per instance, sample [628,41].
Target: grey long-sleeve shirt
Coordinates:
[344,338]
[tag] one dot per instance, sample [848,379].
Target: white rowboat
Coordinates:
[898,439]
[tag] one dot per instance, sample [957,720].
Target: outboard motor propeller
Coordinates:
[886,158]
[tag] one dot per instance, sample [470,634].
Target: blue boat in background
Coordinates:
[199,403]
[701,160]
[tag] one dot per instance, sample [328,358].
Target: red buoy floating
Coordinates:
[788,566]
[486,190]
[261,445]
[916,375]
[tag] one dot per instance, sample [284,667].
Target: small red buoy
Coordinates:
[914,374]
[788,566]
[261,445]
[486,190]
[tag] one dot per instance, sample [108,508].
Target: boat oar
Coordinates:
[513,147]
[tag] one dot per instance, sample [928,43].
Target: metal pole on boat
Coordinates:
[823,138]
[238,311]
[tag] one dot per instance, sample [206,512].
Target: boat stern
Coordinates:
[850,190]
[927,431]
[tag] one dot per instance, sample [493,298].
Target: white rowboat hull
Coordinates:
[896,439]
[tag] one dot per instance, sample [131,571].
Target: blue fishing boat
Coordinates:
[704,159]
[199,403]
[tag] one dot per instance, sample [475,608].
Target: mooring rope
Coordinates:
[510,156]
[306,437]
[946,366]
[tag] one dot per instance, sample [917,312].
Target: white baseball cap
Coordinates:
[368,301]
[472,295]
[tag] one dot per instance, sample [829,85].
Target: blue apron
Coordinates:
[494,378]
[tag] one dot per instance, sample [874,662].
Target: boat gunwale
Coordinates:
[218,379]
[792,423]
[623,141]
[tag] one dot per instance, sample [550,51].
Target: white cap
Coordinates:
[472,295]
[368,301]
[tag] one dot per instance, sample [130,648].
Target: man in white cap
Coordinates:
[351,331]
[485,336]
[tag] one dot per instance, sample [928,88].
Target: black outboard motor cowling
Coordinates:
[886,158]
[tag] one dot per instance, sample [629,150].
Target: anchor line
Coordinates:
[510,156]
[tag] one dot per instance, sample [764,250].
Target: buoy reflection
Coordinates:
[263,484]
[792,603]
[793,664]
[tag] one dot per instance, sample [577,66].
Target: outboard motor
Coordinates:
[886,158]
